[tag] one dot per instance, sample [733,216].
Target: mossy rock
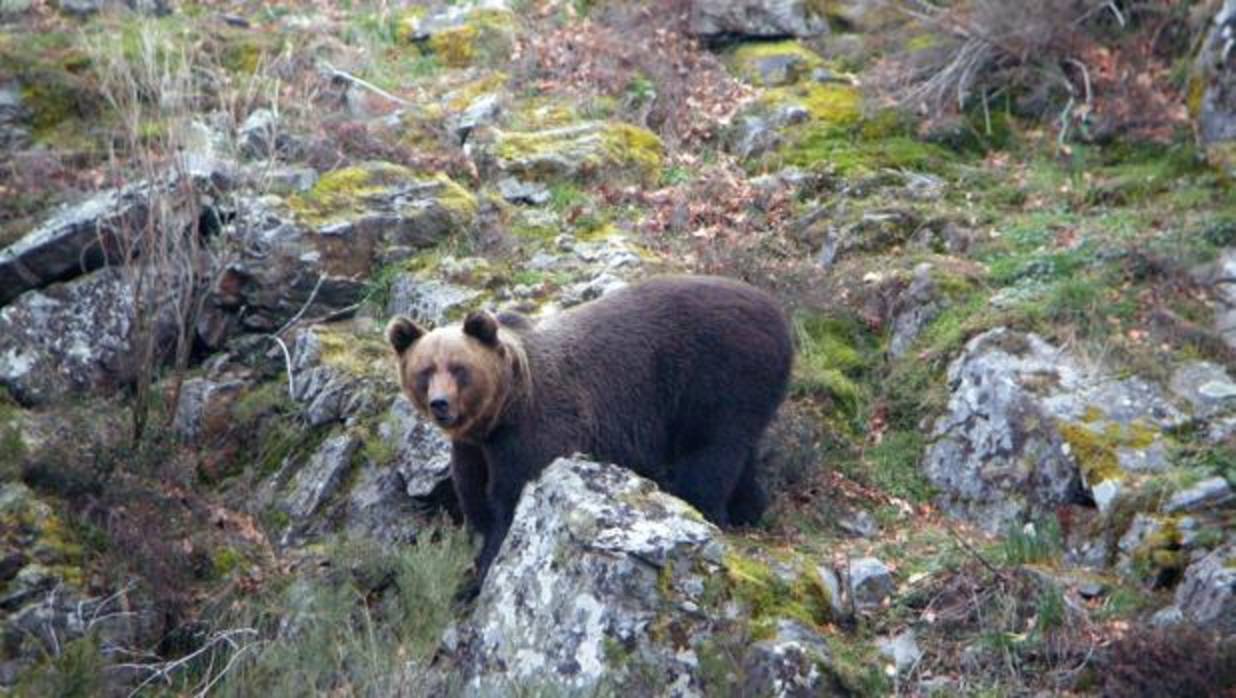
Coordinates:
[769,64]
[832,105]
[609,150]
[353,192]
[463,36]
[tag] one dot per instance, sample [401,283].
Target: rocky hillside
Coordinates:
[1006,237]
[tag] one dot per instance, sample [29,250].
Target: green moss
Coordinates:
[226,560]
[746,59]
[12,445]
[829,105]
[826,145]
[343,193]
[858,667]
[357,355]
[635,145]
[896,472]
[461,97]
[610,148]
[1095,453]
[833,357]
[485,37]
[769,597]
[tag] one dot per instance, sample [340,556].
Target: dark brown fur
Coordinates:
[675,377]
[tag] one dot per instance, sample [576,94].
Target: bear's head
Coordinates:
[461,377]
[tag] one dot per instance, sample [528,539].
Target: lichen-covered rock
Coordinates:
[612,151]
[756,18]
[1030,427]
[74,338]
[73,241]
[1207,595]
[917,307]
[261,136]
[320,478]
[429,301]
[1213,89]
[14,117]
[870,581]
[462,34]
[1209,493]
[1206,386]
[602,580]
[203,407]
[1222,276]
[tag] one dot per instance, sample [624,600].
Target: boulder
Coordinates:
[1207,594]
[74,240]
[1030,427]
[474,31]
[606,583]
[612,151]
[76,337]
[764,19]
[1213,89]
[317,250]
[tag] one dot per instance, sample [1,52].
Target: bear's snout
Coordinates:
[441,409]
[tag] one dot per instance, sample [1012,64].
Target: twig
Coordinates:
[164,670]
[970,549]
[312,296]
[287,362]
[335,72]
[287,355]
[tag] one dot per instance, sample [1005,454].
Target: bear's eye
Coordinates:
[460,373]
[422,379]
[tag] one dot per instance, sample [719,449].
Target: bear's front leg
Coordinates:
[509,471]
[470,477]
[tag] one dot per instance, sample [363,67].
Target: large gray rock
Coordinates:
[1206,386]
[1215,73]
[1222,276]
[1030,427]
[343,372]
[75,337]
[429,301]
[1207,595]
[756,18]
[75,240]
[14,116]
[320,248]
[603,583]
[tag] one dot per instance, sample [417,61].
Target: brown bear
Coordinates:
[675,377]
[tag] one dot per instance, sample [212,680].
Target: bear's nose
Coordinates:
[440,406]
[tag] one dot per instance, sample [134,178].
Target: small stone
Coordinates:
[1209,493]
[1167,617]
[520,192]
[871,582]
[1206,386]
[835,599]
[1091,590]
[860,524]
[902,649]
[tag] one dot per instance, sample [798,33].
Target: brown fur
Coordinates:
[676,378]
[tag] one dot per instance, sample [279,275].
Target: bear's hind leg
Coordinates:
[748,502]
[707,476]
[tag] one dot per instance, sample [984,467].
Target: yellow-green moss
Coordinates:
[486,35]
[745,60]
[461,97]
[612,148]
[455,47]
[355,354]
[225,560]
[459,202]
[637,146]
[769,597]
[341,194]
[1095,453]
[833,105]
[1161,552]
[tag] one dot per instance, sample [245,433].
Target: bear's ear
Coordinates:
[402,333]
[483,327]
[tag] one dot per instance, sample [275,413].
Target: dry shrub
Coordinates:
[639,55]
[1168,662]
[1098,68]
